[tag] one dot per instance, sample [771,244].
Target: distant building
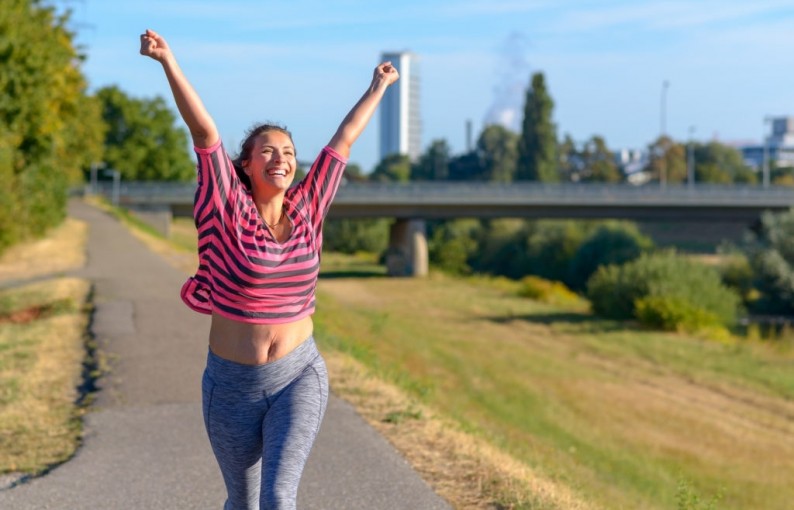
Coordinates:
[633,162]
[778,146]
[400,124]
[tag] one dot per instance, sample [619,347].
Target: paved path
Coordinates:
[145,446]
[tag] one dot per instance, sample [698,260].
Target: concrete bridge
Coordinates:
[410,204]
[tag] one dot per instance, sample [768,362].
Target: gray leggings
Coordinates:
[262,421]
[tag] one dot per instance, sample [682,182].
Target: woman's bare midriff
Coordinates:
[256,344]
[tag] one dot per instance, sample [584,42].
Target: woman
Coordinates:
[265,387]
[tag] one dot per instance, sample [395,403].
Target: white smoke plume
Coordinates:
[512,75]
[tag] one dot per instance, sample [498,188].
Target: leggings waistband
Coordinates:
[268,377]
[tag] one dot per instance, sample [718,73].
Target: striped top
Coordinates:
[244,273]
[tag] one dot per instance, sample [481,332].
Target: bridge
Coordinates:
[410,204]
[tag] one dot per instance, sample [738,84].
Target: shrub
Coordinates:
[611,243]
[614,291]
[540,289]
[673,313]
[771,254]
[452,243]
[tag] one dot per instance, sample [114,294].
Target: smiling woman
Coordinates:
[259,249]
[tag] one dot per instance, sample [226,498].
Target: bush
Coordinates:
[611,243]
[540,289]
[771,254]
[673,313]
[452,243]
[614,291]
[353,236]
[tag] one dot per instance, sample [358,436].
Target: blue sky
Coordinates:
[304,63]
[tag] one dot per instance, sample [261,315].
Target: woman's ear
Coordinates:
[244,166]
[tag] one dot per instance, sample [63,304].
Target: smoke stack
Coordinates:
[468,135]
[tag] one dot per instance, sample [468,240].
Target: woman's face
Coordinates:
[271,164]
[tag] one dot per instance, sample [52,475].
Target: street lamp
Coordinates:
[663,113]
[765,161]
[662,132]
[690,160]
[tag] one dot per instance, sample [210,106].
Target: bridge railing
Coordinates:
[485,192]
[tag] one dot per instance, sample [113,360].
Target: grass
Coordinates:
[42,351]
[619,416]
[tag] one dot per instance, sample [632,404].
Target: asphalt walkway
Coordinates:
[145,446]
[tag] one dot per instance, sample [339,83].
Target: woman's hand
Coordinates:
[385,73]
[153,45]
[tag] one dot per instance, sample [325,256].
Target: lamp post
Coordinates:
[663,110]
[765,161]
[662,132]
[690,160]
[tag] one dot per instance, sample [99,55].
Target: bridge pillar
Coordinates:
[407,253]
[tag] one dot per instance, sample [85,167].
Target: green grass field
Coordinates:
[624,417]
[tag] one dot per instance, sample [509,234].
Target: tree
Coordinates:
[433,165]
[143,141]
[50,129]
[719,163]
[394,167]
[466,167]
[498,150]
[598,162]
[668,161]
[537,146]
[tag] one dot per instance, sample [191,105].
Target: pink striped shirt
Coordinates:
[244,273]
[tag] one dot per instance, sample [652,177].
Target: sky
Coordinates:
[623,70]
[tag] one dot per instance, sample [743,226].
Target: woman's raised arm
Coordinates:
[199,123]
[358,117]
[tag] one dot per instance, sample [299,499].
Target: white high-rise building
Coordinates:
[400,125]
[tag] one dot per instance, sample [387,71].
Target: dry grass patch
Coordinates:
[61,250]
[41,362]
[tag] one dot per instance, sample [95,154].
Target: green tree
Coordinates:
[143,141]
[719,163]
[433,165]
[537,147]
[570,162]
[49,127]
[498,149]
[668,161]
[466,167]
[598,162]
[394,167]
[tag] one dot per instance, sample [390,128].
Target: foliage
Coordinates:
[550,246]
[537,146]
[452,243]
[547,291]
[352,236]
[674,313]
[394,168]
[720,163]
[433,165]
[498,149]
[614,242]
[668,161]
[662,283]
[143,142]
[465,167]
[49,127]
[770,251]
[593,162]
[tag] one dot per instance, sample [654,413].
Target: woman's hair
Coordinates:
[248,145]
